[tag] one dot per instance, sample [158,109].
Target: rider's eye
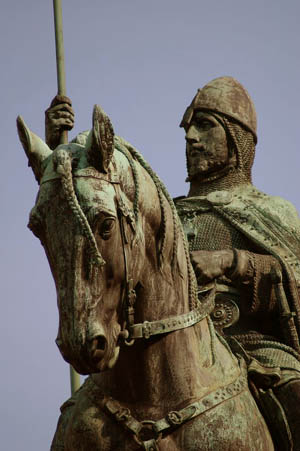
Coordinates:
[204,124]
[106,228]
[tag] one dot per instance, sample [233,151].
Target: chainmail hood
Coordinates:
[230,103]
[241,145]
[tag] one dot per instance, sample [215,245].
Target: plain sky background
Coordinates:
[142,61]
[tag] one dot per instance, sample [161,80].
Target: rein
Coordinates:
[148,329]
[129,298]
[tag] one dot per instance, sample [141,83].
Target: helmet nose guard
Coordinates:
[227,96]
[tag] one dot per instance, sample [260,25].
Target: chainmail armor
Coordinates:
[207,230]
[269,352]
[262,265]
[244,145]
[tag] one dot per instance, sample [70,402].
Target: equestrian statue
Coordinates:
[184,313]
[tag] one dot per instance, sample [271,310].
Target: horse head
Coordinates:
[102,221]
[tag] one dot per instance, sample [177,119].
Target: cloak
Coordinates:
[270,222]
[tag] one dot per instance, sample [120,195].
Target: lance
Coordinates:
[61,85]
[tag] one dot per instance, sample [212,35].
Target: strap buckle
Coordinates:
[146,329]
[175,418]
[147,436]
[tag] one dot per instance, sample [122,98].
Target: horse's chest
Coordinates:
[235,425]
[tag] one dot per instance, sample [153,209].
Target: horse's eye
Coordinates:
[106,228]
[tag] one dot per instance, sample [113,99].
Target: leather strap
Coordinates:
[148,329]
[150,445]
[177,417]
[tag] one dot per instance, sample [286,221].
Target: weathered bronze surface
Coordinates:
[127,294]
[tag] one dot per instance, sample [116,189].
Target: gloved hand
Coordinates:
[235,264]
[210,265]
[59,116]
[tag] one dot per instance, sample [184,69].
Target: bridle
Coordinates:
[131,330]
[126,216]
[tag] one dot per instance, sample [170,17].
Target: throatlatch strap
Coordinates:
[162,326]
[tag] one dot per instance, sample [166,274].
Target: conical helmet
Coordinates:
[227,96]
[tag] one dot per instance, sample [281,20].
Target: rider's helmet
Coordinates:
[227,96]
[229,100]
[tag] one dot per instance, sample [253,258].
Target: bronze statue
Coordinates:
[127,295]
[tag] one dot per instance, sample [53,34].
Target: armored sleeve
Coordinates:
[252,274]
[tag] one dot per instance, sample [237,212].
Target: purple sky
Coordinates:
[142,61]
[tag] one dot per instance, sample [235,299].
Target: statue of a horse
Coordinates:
[130,316]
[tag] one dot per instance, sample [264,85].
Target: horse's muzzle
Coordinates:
[97,348]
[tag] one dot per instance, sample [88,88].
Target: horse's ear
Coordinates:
[101,145]
[35,148]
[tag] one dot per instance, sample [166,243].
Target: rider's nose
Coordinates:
[190,140]
[191,135]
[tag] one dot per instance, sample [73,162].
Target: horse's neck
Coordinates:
[161,374]
[168,371]
[171,370]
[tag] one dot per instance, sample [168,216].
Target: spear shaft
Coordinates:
[60,58]
[61,85]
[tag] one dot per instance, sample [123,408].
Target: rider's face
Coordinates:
[206,145]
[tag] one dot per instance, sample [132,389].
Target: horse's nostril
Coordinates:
[100,343]
[98,347]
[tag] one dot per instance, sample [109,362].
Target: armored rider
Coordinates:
[247,241]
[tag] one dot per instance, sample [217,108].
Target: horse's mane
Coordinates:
[132,155]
